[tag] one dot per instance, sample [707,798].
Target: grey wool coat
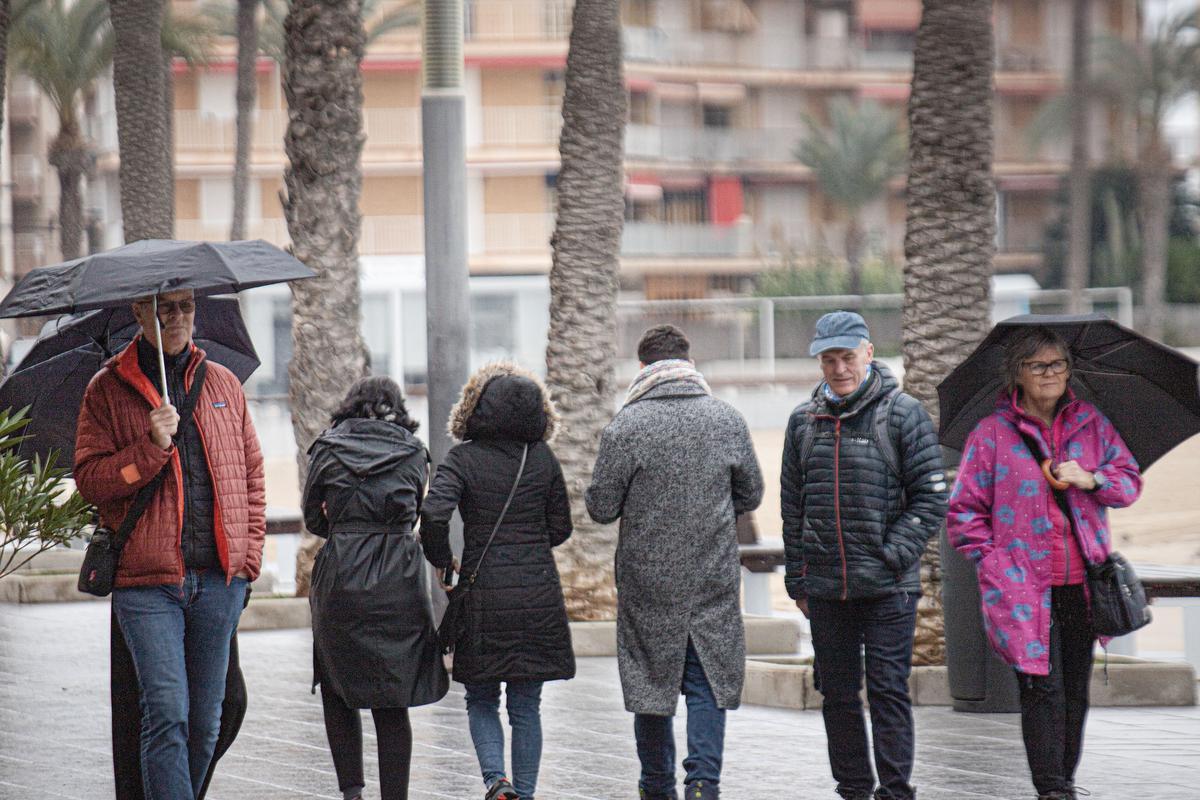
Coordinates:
[676,466]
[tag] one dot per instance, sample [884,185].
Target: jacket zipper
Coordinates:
[837,500]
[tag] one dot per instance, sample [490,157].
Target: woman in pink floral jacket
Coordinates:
[1030,557]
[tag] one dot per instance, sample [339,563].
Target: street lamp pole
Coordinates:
[443,129]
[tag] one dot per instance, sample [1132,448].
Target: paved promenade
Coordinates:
[54,734]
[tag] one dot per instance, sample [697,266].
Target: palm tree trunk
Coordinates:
[854,253]
[950,237]
[142,134]
[1154,202]
[323,52]
[69,157]
[4,20]
[247,60]
[583,288]
[1079,236]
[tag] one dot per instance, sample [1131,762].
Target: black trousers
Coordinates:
[393,733]
[1054,707]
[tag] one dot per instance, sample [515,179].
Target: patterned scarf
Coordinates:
[661,372]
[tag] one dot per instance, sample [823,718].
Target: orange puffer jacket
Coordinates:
[114,457]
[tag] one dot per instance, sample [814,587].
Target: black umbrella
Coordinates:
[147,269]
[1147,389]
[53,375]
[150,267]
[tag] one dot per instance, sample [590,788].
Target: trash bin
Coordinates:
[979,680]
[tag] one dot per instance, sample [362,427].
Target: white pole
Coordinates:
[162,364]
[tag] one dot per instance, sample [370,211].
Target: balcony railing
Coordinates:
[711,144]
[665,239]
[380,235]
[521,126]
[517,20]
[26,177]
[392,128]
[517,233]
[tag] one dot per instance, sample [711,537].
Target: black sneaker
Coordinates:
[701,790]
[502,790]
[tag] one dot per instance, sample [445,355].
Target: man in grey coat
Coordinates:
[677,466]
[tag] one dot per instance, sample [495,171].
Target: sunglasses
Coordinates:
[167,308]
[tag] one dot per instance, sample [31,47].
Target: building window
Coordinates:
[637,13]
[640,109]
[492,320]
[717,116]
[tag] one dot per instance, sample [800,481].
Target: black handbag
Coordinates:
[98,572]
[458,611]
[1117,599]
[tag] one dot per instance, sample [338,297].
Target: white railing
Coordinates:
[392,127]
[392,235]
[273,230]
[757,50]
[665,239]
[711,144]
[517,20]
[521,126]
[27,174]
[517,233]
[203,131]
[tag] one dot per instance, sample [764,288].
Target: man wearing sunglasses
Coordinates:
[182,578]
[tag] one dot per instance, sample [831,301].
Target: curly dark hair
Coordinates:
[1024,345]
[375,397]
[663,342]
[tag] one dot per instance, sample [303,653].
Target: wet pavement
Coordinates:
[54,734]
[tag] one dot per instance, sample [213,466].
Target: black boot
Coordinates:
[644,795]
[701,790]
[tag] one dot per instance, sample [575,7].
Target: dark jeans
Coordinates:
[705,736]
[842,631]
[179,639]
[487,734]
[1054,707]
[393,733]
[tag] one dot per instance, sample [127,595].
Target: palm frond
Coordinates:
[191,37]
[855,156]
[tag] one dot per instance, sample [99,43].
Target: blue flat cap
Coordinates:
[839,330]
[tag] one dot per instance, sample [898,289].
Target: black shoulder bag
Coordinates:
[99,569]
[1117,599]
[454,621]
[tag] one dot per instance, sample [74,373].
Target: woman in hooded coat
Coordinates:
[374,643]
[516,620]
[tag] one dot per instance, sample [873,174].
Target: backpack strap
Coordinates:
[884,439]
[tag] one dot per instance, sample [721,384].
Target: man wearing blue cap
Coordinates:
[863,490]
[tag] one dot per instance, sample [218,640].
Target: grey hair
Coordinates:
[1024,345]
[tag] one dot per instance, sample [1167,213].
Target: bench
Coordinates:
[1170,586]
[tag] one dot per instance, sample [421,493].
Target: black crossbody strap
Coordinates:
[1060,497]
[142,498]
[500,519]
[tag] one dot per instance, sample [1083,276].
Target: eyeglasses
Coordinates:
[1040,368]
[167,308]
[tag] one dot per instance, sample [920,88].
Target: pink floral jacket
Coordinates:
[999,515]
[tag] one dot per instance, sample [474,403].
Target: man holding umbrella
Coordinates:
[182,578]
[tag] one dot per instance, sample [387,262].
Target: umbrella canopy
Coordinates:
[150,267]
[54,374]
[1147,389]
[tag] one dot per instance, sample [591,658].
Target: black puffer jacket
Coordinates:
[851,527]
[374,643]
[517,621]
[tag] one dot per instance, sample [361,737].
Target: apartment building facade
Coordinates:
[718,93]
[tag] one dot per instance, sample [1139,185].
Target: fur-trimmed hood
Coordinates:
[504,401]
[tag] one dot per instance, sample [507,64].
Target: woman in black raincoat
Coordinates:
[374,643]
[516,620]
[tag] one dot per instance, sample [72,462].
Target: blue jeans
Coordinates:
[705,736]
[842,630]
[179,639]
[483,717]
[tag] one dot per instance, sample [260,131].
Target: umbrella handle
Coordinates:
[162,364]
[1054,482]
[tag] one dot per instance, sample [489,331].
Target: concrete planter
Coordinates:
[788,683]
